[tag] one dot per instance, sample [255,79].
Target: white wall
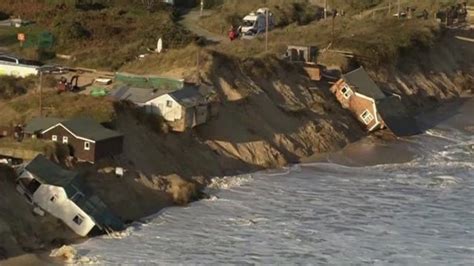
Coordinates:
[159,106]
[17,70]
[62,208]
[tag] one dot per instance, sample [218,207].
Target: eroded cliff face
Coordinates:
[270,115]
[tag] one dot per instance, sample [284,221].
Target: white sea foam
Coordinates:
[229,182]
[416,213]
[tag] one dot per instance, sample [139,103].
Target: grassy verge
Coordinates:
[58,105]
[35,145]
[105,37]
[375,41]
[285,12]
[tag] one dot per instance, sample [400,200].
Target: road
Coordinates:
[190,22]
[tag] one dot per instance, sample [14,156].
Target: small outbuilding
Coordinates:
[58,192]
[182,109]
[88,140]
[357,92]
[307,57]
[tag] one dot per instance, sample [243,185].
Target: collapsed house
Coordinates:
[88,140]
[60,193]
[358,93]
[182,109]
[307,57]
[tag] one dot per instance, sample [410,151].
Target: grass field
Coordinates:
[66,105]
[105,38]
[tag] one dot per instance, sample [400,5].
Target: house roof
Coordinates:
[89,129]
[47,172]
[360,81]
[98,210]
[396,118]
[136,95]
[188,96]
[39,124]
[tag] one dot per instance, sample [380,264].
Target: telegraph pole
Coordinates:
[202,7]
[399,9]
[325,9]
[267,20]
[41,93]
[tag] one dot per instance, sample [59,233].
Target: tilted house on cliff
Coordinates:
[357,92]
[58,192]
[88,140]
[182,109]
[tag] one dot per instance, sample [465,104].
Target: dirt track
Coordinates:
[190,20]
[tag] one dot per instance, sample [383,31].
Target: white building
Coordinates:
[182,109]
[56,191]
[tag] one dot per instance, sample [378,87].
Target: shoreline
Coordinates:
[266,128]
[368,151]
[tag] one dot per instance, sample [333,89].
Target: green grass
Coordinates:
[27,144]
[378,41]
[104,39]
[231,12]
[66,105]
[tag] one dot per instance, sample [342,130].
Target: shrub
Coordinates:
[11,86]
[3,15]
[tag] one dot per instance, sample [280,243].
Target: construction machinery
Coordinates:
[64,85]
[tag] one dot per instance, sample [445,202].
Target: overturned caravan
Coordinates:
[58,192]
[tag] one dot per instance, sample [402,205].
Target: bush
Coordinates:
[71,31]
[3,15]
[363,4]
[11,87]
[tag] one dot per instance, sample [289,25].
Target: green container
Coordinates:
[99,92]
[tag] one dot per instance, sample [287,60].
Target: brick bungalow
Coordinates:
[358,93]
[88,140]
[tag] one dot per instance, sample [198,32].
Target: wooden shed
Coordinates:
[88,139]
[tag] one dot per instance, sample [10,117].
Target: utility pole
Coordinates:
[267,20]
[40,93]
[198,65]
[390,7]
[325,9]
[202,7]
[399,9]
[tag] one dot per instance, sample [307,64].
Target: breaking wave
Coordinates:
[414,213]
[229,182]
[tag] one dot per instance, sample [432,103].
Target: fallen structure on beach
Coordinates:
[60,193]
[373,108]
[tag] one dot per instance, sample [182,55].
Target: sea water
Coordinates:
[419,212]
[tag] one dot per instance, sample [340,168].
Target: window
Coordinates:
[367,117]
[65,140]
[78,196]
[87,146]
[346,91]
[169,104]
[54,138]
[78,219]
